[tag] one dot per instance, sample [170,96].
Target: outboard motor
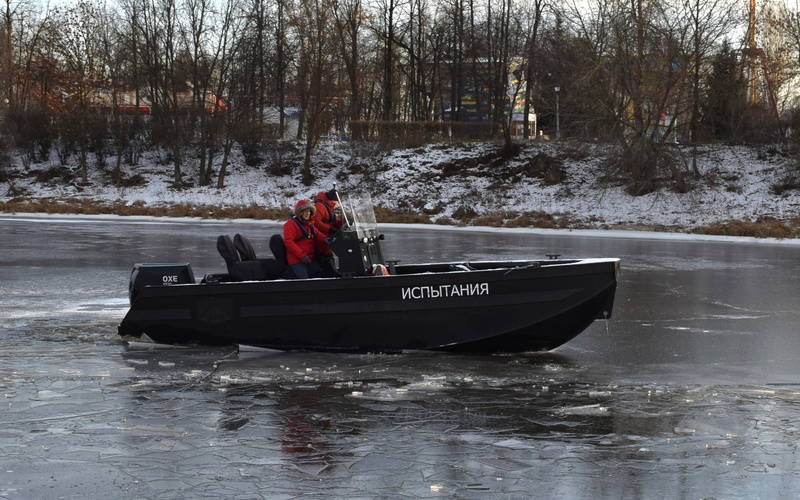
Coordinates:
[158,275]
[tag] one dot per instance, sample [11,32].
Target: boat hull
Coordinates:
[488,307]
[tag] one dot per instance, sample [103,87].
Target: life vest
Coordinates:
[306,234]
[331,212]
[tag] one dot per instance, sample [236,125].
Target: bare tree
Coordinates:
[789,20]
[349,24]
[451,65]
[416,66]
[75,34]
[164,64]
[7,50]
[25,72]
[230,42]
[533,14]
[256,69]
[20,35]
[207,35]
[635,70]
[385,29]
[708,21]
[422,41]
[499,37]
[317,73]
[639,80]
[112,41]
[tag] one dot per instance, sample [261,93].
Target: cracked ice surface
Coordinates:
[105,420]
[690,391]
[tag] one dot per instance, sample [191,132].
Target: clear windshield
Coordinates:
[360,213]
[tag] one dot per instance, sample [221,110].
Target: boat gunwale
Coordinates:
[325,284]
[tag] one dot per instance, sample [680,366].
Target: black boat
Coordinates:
[374,305]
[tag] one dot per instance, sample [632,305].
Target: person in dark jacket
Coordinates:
[325,219]
[305,245]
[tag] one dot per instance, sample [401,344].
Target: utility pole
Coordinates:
[558,118]
[757,73]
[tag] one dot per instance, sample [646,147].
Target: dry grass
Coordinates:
[767,227]
[400,217]
[89,207]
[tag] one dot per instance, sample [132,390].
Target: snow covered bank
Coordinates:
[445,182]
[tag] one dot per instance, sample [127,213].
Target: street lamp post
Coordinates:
[558,118]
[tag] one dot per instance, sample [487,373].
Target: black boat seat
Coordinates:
[249,270]
[320,268]
[227,250]
[272,267]
[244,247]
[278,248]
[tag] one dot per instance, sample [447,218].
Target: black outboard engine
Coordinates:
[158,275]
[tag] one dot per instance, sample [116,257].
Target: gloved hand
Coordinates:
[306,260]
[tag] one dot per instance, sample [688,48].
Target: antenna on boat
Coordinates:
[339,199]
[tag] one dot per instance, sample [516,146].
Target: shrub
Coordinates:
[134,180]
[251,137]
[646,165]
[765,227]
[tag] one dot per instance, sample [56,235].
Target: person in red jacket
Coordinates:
[325,219]
[305,245]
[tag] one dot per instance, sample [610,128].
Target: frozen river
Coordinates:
[691,390]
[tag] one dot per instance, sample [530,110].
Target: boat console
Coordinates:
[357,246]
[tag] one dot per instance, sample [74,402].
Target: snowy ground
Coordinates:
[736,184]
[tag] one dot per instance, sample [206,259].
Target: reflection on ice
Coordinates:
[442,424]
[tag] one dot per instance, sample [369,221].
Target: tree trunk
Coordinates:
[223,168]
[308,178]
